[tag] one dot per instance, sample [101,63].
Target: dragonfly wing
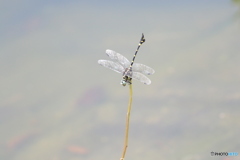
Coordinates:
[111,65]
[137,67]
[142,78]
[118,58]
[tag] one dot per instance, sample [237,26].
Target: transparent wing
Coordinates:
[111,65]
[118,58]
[137,67]
[142,78]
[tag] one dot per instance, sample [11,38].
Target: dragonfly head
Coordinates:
[123,82]
[126,80]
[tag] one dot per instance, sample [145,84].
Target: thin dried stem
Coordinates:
[127,123]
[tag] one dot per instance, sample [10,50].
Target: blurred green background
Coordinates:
[57,103]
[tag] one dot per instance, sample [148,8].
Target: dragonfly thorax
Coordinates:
[128,72]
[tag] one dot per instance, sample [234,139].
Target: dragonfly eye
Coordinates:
[123,82]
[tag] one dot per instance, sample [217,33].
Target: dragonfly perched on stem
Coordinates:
[128,70]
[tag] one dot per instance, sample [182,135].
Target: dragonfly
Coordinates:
[128,70]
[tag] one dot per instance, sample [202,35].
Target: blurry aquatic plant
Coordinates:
[237,3]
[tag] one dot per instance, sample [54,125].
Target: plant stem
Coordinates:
[127,123]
